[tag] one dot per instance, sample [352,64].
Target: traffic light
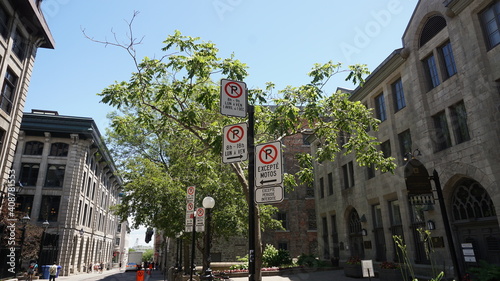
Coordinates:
[149,234]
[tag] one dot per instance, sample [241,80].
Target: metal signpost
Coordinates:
[238,145]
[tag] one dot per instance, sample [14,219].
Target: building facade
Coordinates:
[69,181]
[23,30]
[438,100]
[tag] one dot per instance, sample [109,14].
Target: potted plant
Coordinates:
[335,261]
[352,267]
[390,271]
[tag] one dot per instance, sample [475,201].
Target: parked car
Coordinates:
[131,266]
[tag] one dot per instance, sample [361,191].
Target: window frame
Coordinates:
[448,60]
[9,88]
[431,71]
[495,9]
[380,108]
[398,95]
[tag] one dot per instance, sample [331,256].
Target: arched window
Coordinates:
[471,201]
[432,27]
[33,148]
[59,149]
[354,223]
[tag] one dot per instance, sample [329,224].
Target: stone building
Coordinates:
[438,98]
[23,30]
[70,181]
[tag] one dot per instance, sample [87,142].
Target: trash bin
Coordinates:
[58,270]
[45,271]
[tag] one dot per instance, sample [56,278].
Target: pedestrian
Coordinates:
[32,269]
[53,272]
[101,267]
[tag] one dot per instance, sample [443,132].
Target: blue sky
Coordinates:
[279,41]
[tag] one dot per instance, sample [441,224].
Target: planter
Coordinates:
[390,275]
[353,270]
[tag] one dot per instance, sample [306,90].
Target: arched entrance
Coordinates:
[355,236]
[475,221]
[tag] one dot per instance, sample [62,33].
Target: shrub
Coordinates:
[244,265]
[486,271]
[308,260]
[274,257]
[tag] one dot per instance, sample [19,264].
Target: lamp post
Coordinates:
[208,204]
[24,221]
[45,225]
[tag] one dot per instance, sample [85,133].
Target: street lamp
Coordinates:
[45,226]
[24,221]
[208,204]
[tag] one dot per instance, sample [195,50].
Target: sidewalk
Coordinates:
[86,276]
[330,275]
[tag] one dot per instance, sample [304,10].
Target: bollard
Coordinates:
[139,276]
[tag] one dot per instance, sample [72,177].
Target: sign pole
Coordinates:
[251,194]
[192,247]
[446,222]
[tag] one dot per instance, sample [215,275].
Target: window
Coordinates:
[330,183]
[471,202]
[326,246]
[322,188]
[396,228]
[380,107]
[448,60]
[117,241]
[335,236]
[405,142]
[83,182]
[378,230]
[29,174]
[33,148]
[431,72]
[8,91]
[311,219]
[398,94]
[442,134]
[348,175]
[309,191]
[55,176]
[459,123]
[282,218]
[490,19]
[24,203]
[432,27]
[4,22]
[59,149]
[385,147]
[90,217]
[49,209]
[283,246]
[19,44]
[370,171]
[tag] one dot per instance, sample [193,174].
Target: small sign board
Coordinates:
[200,220]
[468,252]
[268,164]
[190,193]
[233,98]
[367,268]
[235,147]
[269,194]
[189,221]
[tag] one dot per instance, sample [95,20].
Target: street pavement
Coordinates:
[115,274]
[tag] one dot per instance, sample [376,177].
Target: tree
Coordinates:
[168,132]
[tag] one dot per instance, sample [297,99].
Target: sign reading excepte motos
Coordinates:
[268,164]
[417,178]
[269,194]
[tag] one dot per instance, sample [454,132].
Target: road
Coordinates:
[115,275]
